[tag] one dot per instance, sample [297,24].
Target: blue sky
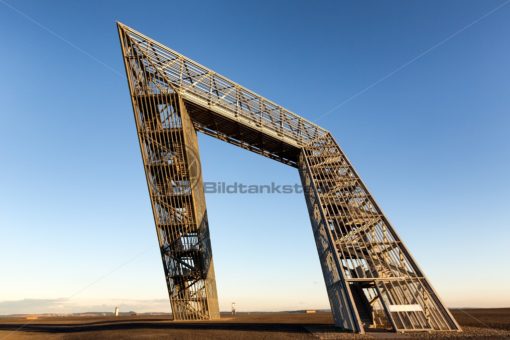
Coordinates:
[430,141]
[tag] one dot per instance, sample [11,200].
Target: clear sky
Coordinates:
[426,124]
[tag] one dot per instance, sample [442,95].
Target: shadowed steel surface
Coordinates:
[371,278]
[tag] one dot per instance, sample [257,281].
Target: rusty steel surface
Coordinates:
[371,278]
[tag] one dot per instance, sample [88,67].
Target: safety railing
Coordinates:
[189,78]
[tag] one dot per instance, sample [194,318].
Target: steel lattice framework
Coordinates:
[371,278]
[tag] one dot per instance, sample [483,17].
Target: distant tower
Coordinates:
[116,311]
[233,308]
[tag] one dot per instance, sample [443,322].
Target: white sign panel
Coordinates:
[405,308]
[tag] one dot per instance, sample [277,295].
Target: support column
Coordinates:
[172,165]
[371,278]
[344,313]
[169,148]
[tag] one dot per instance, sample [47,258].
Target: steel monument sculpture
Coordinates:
[371,278]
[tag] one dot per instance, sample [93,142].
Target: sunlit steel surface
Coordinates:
[371,278]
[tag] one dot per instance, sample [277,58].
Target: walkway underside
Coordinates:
[247,137]
[371,278]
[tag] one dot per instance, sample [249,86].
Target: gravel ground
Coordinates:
[476,324]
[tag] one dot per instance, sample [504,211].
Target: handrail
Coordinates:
[206,87]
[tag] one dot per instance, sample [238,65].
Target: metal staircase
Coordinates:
[359,242]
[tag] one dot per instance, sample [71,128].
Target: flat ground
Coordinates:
[477,323]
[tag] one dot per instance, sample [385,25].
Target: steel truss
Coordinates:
[371,278]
